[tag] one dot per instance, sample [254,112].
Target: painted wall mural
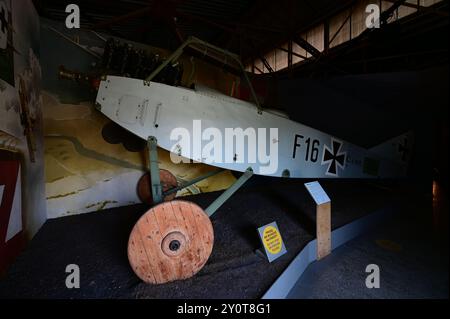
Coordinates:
[83,172]
[6,43]
[21,125]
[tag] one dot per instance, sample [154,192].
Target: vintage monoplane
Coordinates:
[174,239]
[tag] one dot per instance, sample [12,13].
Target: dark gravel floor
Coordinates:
[97,243]
[413,262]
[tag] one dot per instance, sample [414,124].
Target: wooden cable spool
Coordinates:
[171,241]
[168,181]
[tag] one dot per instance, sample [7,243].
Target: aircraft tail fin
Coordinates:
[398,149]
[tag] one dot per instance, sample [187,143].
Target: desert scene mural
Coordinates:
[85,173]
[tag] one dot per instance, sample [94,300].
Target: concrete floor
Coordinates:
[413,263]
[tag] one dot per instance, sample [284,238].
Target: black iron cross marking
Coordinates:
[403,148]
[4,23]
[333,157]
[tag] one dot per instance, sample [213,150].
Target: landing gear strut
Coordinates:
[173,240]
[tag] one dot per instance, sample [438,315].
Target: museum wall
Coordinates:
[22,193]
[83,172]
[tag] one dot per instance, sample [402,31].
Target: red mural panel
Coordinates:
[9,173]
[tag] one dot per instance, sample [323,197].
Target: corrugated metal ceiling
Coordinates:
[242,26]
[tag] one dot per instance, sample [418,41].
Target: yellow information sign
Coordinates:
[272,241]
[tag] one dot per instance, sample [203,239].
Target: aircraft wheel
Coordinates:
[115,134]
[111,133]
[168,181]
[171,241]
